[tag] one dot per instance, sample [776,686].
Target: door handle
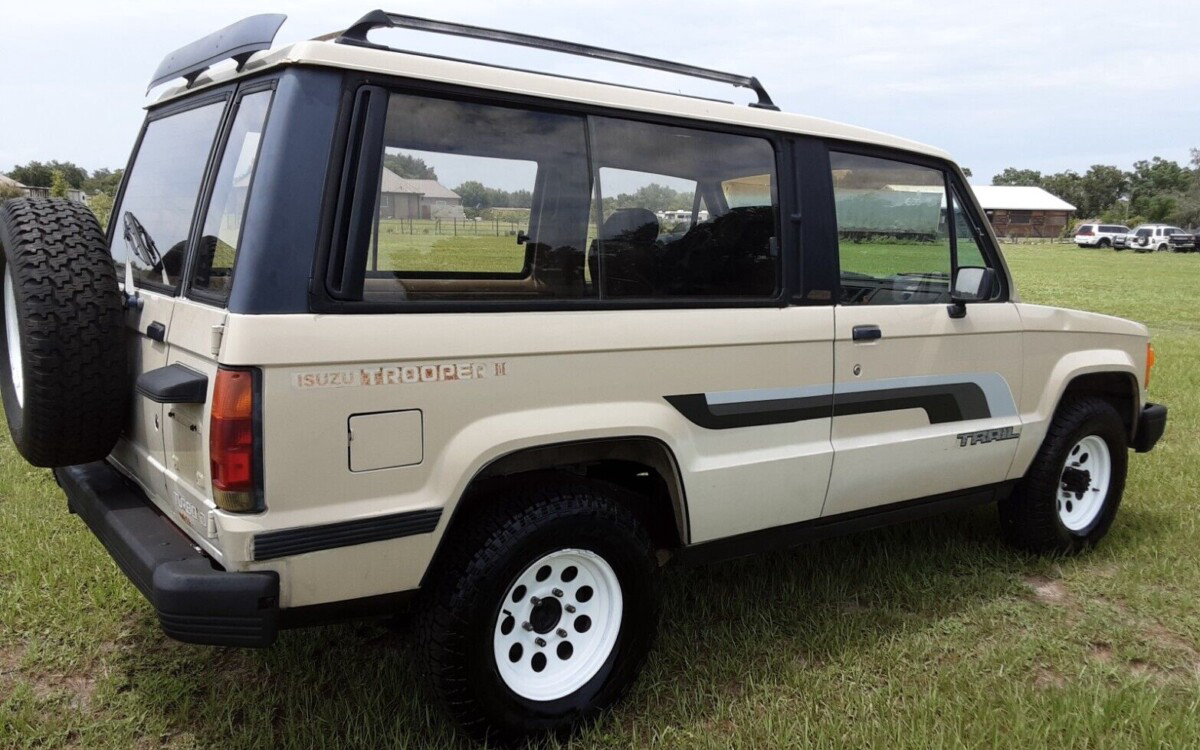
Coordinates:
[867,333]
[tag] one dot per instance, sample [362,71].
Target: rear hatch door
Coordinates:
[149,234]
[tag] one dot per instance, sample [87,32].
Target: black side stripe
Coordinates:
[275,544]
[952,402]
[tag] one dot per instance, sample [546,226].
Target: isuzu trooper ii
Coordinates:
[372,330]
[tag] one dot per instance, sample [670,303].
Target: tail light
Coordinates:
[1151,358]
[234,449]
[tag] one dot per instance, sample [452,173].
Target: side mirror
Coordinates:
[971,284]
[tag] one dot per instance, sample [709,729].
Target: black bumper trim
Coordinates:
[1152,422]
[196,601]
[297,541]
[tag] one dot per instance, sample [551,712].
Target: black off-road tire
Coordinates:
[69,314]
[1105,243]
[461,603]
[1029,518]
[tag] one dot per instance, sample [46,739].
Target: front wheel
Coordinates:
[543,613]
[1070,495]
[1105,242]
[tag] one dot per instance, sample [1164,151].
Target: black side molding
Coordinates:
[173,384]
[1152,423]
[297,541]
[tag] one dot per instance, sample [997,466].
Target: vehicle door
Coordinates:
[196,330]
[149,231]
[924,399]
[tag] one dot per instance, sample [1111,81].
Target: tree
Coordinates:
[1150,181]
[37,174]
[103,181]
[1067,185]
[59,185]
[1014,176]
[967,172]
[8,192]
[101,204]
[1103,187]
[412,167]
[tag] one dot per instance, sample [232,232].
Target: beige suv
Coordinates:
[372,330]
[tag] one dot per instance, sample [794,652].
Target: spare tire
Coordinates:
[63,371]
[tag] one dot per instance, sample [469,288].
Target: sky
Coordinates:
[1041,84]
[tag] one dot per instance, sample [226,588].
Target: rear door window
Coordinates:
[217,249]
[154,216]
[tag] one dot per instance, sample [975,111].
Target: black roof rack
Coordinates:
[357,35]
[236,41]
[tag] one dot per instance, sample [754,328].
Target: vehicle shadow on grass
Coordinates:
[355,686]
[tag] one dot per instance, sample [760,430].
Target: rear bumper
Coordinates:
[1152,422]
[196,601]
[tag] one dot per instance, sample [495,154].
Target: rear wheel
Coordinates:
[63,376]
[542,612]
[1070,495]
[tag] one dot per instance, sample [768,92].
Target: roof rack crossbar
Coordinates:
[357,35]
[236,41]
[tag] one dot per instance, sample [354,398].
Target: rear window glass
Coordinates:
[218,245]
[155,214]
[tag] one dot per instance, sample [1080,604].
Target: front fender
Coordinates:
[1038,406]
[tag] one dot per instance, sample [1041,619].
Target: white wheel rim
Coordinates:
[1083,484]
[13,336]
[566,623]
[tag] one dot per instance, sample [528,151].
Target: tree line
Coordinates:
[1155,190]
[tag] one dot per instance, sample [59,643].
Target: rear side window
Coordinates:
[681,212]
[1112,229]
[480,202]
[155,214]
[222,229]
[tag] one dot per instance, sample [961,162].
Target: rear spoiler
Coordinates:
[238,41]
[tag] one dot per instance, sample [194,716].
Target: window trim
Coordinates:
[204,296]
[160,113]
[953,180]
[321,301]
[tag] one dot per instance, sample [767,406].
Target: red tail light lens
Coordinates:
[233,451]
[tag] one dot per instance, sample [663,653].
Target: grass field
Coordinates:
[927,635]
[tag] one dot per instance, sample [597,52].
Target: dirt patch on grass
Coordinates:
[77,689]
[1047,591]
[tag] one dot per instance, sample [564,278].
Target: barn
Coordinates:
[406,198]
[1024,211]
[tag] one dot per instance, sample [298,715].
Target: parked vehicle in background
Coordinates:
[1098,235]
[1147,238]
[1185,242]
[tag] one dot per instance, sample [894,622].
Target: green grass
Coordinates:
[928,635]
